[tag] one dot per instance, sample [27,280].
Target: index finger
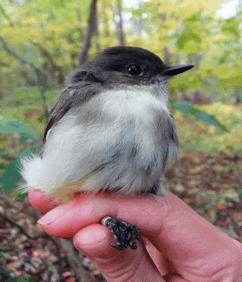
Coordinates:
[179,233]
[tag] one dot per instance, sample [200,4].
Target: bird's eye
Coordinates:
[134,70]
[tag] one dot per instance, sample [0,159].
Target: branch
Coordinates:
[90,31]
[41,77]
[7,250]
[45,53]
[72,54]
[8,158]
[42,92]
[74,261]
[30,81]
[54,66]
[6,16]
[16,56]
[2,64]
[21,229]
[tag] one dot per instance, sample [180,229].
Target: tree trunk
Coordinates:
[166,56]
[89,33]
[78,15]
[119,23]
[62,3]
[81,274]
[96,34]
[236,95]
[56,70]
[137,26]
[178,59]
[167,59]
[105,22]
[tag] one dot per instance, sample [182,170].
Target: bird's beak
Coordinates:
[176,69]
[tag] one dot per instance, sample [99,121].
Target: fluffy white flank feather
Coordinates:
[72,151]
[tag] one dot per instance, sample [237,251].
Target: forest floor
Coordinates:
[210,183]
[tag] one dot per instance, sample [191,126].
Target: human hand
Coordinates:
[176,244]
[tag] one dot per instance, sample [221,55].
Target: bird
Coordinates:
[110,129]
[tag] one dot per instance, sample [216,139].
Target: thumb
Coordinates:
[127,265]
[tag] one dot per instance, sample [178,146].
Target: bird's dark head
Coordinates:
[126,65]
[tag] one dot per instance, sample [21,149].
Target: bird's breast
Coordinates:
[131,104]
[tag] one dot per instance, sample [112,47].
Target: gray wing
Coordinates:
[62,105]
[83,85]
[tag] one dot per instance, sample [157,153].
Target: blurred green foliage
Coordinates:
[17,139]
[195,134]
[40,42]
[49,34]
[6,276]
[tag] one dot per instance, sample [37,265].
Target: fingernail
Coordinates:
[50,217]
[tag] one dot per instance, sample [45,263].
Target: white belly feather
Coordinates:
[73,150]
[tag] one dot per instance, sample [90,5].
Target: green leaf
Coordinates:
[187,37]
[51,268]
[192,146]
[181,42]
[2,166]
[24,137]
[223,59]
[11,176]
[231,29]
[194,18]
[23,89]
[4,272]
[13,125]
[25,153]
[191,36]
[184,107]
[20,196]
[208,118]
[172,101]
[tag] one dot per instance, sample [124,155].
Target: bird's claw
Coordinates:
[125,234]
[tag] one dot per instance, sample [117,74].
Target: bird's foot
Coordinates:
[125,234]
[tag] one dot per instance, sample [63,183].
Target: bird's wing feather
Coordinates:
[82,85]
[60,108]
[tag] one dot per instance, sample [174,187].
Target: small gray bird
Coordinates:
[109,129]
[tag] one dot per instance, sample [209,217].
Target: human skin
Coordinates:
[176,243]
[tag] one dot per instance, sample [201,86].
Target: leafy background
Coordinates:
[40,43]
